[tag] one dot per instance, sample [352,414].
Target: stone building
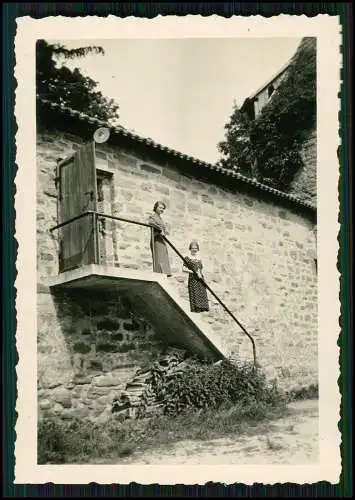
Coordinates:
[255,103]
[304,185]
[102,312]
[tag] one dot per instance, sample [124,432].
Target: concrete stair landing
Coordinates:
[155,298]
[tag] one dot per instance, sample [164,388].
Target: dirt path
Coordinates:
[290,440]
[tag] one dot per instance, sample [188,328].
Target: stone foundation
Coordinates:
[89,347]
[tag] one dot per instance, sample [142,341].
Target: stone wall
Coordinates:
[263,97]
[304,186]
[89,347]
[258,257]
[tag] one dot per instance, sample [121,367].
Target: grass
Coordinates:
[205,403]
[309,392]
[207,425]
[273,445]
[78,442]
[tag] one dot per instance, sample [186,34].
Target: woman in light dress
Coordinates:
[158,246]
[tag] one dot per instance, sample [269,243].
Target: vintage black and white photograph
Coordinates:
[176,253]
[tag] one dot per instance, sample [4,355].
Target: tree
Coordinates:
[71,88]
[276,135]
[237,148]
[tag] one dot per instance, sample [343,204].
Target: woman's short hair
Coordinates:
[158,203]
[194,243]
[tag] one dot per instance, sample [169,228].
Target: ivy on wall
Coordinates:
[269,147]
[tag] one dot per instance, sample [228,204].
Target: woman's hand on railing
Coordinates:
[160,230]
[186,269]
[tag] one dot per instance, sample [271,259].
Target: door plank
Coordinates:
[77,177]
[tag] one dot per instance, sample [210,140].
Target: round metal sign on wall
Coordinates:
[101,135]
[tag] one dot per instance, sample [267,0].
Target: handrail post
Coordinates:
[96,238]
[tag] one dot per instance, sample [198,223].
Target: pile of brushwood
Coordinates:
[177,382]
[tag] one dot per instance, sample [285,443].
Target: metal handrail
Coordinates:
[98,214]
[218,299]
[113,217]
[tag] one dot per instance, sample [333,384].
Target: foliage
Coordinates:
[51,442]
[275,137]
[205,401]
[206,386]
[71,88]
[75,441]
[60,440]
[208,401]
[237,147]
[310,392]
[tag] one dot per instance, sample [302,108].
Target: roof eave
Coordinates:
[149,143]
[254,94]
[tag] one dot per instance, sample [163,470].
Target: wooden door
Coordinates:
[77,195]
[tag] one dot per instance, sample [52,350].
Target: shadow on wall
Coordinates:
[84,335]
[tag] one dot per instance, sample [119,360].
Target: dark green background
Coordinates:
[142,9]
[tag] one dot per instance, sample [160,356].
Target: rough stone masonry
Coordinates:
[258,256]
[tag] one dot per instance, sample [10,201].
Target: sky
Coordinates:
[180,92]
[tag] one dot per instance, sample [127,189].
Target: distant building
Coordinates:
[254,104]
[304,185]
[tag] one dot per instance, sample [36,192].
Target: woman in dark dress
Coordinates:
[158,246]
[197,290]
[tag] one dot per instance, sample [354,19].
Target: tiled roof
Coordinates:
[121,131]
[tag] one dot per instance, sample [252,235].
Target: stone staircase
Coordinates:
[164,303]
[230,335]
[155,297]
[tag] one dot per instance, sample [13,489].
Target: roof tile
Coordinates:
[119,130]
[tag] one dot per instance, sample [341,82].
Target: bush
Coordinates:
[60,441]
[51,442]
[206,401]
[206,386]
[310,392]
